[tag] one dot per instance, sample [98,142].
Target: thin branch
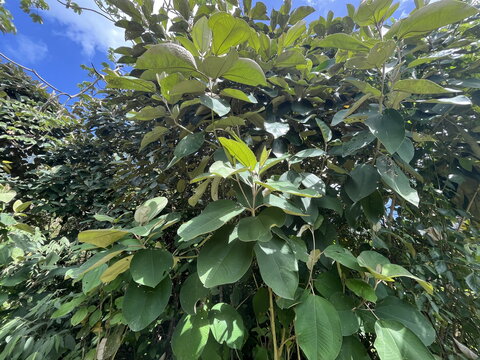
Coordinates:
[68,5]
[60,93]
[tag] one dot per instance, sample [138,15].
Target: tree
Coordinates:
[317,186]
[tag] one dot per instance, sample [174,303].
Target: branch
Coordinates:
[60,93]
[68,5]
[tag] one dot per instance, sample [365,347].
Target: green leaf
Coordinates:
[167,57]
[95,261]
[219,106]
[288,188]
[221,262]
[294,33]
[389,128]
[396,179]
[421,86]
[246,71]
[102,237]
[342,41]
[361,289]
[342,256]
[226,123]
[257,228]
[396,342]
[116,269]
[372,12]
[352,349]
[349,322]
[186,87]
[226,325]
[318,329]
[191,292]
[431,17]
[129,83]
[278,267]
[394,270]
[79,316]
[276,129]
[362,182]
[460,100]
[6,194]
[142,305]
[216,66]
[149,267]
[240,151]
[192,330]
[68,307]
[214,216]
[357,142]
[381,52]
[300,13]
[152,136]
[202,35]
[150,209]
[326,131]
[284,204]
[363,87]
[238,94]
[288,59]
[147,113]
[227,31]
[92,279]
[187,146]
[373,207]
[392,308]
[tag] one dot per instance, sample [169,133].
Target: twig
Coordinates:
[468,207]
[60,93]
[272,325]
[68,5]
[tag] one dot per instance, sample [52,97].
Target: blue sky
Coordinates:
[57,48]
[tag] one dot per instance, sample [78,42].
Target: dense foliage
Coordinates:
[305,191]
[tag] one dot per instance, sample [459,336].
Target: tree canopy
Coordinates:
[249,185]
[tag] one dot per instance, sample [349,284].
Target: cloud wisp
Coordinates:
[26,50]
[91,31]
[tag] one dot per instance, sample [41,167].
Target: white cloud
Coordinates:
[27,50]
[90,30]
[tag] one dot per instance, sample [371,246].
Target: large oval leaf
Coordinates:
[215,215]
[392,308]
[352,349]
[394,177]
[389,128]
[362,182]
[167,57]
[221,262]
[226,325]
[142,305]
[246,71]
[101,237]
[192,290]
[396,342]
[149,267]
[227,31]
[278,267]
[431,17]
[318,329]
[190,336]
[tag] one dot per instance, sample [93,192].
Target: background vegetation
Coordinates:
[249,186]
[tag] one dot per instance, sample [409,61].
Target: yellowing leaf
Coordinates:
[102,237]
[240,151]
[116,269]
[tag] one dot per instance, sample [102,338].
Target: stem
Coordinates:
[272,325]
[468,207]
